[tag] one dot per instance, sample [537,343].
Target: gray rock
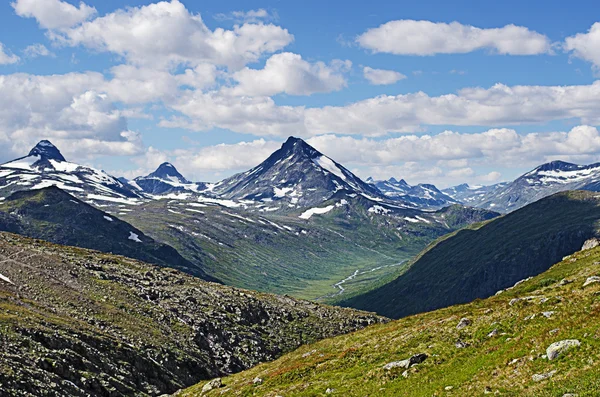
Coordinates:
[460,344]
[464,322]
[548,314]
[213,384]
[591,280]
[329,391]
[257,381]
[558,348]
[541,377]
[591,243]
[409,362]
[493,333]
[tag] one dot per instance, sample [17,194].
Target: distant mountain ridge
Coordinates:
[422,195]
[543,181]
[45,166]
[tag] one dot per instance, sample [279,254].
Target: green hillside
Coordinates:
[476,262]
[500,350]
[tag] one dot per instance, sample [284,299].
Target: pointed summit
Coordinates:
[47,151]
[169,172]
[297,174]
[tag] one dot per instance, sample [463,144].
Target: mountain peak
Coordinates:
[168,171]
[557,165]
[47,151]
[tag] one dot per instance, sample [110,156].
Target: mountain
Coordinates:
[501,348]
[473,195]
[478,261]
[166,180]
[421,195]
[45,166]
[77,322]
[53,215]
[296,175]
[549,178]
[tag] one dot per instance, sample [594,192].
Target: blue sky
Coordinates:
[429,91]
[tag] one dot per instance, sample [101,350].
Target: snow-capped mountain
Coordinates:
[45,166]
[422,195]
[295,175]
[543,181]
[473,195]
[166,180]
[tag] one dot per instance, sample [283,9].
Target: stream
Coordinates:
[356,273]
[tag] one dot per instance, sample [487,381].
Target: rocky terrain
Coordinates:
[539,338]
[75,322]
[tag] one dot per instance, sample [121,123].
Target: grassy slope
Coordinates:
[303,258]
[504,364]
[476,263]
[78,322]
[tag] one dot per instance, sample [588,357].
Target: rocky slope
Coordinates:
[478,261]
[75,322]
[538,339]
[45,166]
[54,215]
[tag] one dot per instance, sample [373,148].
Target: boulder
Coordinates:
[409,362]
[591,280]
[213,384]
[558,348]
[464,322]
[540,377]
[591,243]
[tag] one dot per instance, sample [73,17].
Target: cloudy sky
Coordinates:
[428,91]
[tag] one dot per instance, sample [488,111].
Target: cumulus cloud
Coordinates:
[410,37]
[586,45]
[166,34]
[71,110]
[37,50]
[53,14]
[6,58]
[382,76]
[289,73]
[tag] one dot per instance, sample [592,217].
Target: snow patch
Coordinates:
[108,218]
[315,211]
[327,164]
[134,237]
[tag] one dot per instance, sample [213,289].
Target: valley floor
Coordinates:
[502,351]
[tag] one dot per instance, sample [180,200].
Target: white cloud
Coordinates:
[6,58]
[410,37]
[382,76]
[586,45]
[71,110]
[37,50]
[53,14]
[495,106]
[247,16]
[289,73]
[166,34]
